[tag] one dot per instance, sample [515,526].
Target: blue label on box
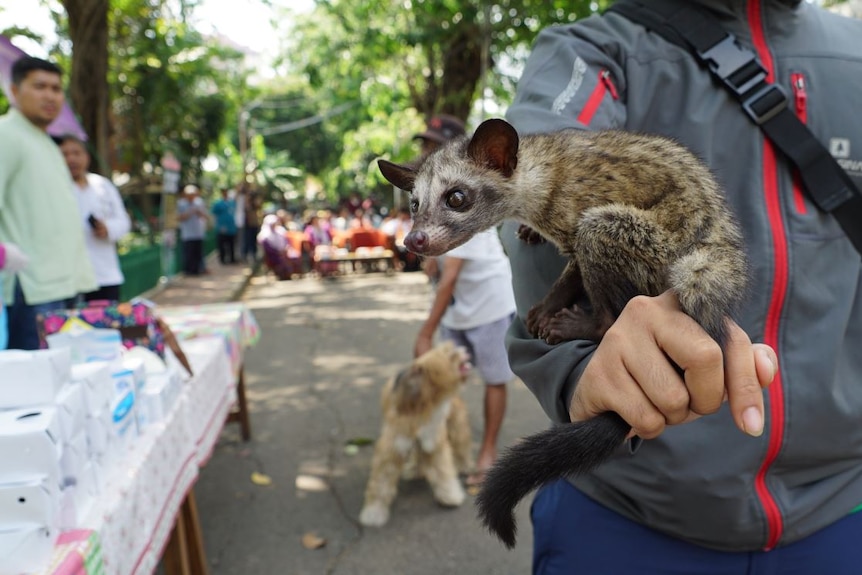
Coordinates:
[124,407]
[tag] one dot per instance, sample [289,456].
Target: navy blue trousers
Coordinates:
[22,318]
[575,535]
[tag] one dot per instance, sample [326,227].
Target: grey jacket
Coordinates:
[707,482]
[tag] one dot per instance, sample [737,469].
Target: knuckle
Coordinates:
[706,406]
[675,405]
[614,337]
[650,425]
[706,353]
[640,304]
[746,386]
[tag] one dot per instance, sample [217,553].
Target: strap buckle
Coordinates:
[737,67]
[742,73]
[766,102]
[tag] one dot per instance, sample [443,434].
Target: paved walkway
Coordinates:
[223,283]
[313,382]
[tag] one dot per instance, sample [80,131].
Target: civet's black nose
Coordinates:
[416,242]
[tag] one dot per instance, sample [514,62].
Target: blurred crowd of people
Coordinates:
[290,240]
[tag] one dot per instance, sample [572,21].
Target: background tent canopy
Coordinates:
[66,122]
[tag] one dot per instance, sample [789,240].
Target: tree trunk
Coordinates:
[452,92]
[462,68]
[88,82]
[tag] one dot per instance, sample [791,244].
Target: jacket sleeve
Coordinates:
[564,85]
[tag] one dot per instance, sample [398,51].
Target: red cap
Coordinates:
[441,128]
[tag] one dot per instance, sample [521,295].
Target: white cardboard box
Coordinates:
[71,410]
[30,445]
[26,550]
[123,417]
[90,344]
[78,501]
[28,503]
[29,378]
[124,426]
[139,372]
[158,396]
[75,456]
[95,377]
[98,429]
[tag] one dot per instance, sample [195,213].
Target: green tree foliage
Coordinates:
[400,61]
[171,89]
[362,76]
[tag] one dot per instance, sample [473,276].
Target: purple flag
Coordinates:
[66,122]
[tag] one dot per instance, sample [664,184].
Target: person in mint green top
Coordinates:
[38,212]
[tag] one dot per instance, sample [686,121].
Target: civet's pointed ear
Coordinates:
[399,176]
[495,145]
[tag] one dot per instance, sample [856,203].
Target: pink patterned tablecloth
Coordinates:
[77,553]
[233,321]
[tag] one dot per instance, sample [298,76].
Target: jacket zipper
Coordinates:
[800,98]
[604,85]
[774,520]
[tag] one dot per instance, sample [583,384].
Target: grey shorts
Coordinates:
[487,347]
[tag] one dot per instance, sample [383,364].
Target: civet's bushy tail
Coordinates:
[710,284]
[554,453]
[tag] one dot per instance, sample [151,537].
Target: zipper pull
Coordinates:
[800,95]
[609,84]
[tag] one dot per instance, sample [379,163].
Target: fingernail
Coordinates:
[752,421]
[771,360]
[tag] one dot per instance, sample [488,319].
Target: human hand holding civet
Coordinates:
[656,366]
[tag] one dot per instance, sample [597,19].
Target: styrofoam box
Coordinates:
[29,378]
[98,390]
[29,503]
[26,550]
[30,445]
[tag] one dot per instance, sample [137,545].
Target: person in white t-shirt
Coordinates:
[103,216]
[473,306]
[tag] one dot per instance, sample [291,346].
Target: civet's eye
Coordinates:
[414,206]
[456,199]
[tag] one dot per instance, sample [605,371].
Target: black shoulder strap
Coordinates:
[738,69]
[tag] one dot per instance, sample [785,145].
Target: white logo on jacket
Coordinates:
[839,148]
[561,101]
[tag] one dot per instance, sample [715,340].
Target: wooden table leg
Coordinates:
[241,414]
[176,556]
[194,535]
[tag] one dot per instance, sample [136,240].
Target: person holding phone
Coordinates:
[105,217]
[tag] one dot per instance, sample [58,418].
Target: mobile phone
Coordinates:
[92,221]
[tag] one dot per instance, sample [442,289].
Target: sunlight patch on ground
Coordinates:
[276,301]
[311,483]
[340,362]
[399,315]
